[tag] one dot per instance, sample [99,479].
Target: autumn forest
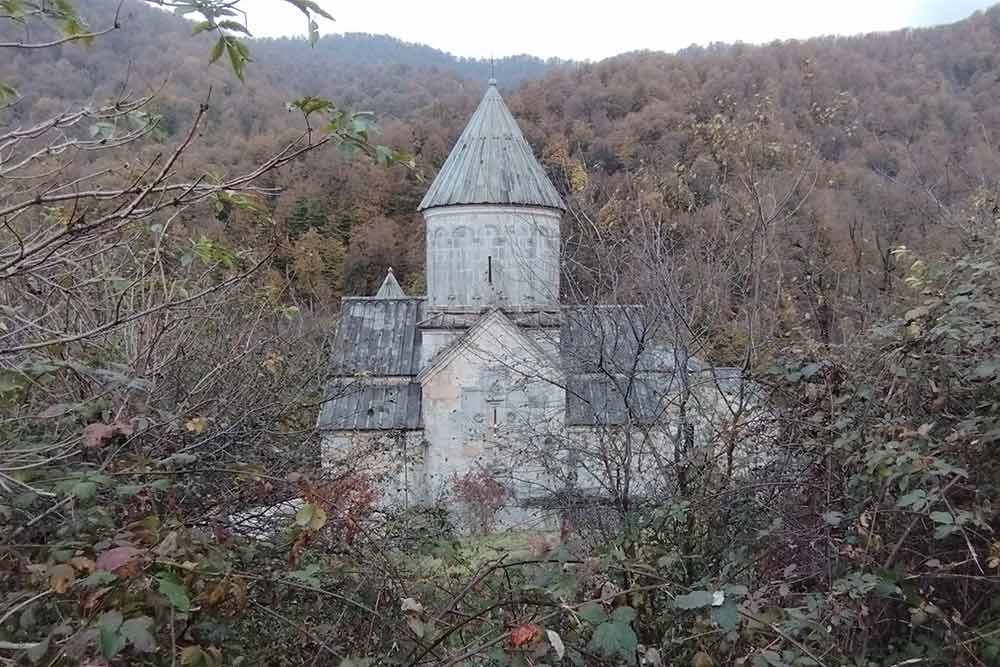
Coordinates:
[182,206]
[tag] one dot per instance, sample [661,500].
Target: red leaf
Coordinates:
[98,435]
[523,634]
[116,559]
[95,435]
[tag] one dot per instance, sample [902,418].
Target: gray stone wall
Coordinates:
[394,460]
[505,256]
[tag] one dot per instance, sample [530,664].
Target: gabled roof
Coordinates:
[377,337]
[614,339]
[537,361]
[619,370]
[375,355]
[607,400]
[390,288]
[371,405]
[492,164]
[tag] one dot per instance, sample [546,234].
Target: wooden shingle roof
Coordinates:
[492,163]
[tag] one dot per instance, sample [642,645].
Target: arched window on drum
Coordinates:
[436,274]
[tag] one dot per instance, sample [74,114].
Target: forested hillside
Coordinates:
[891,129]
[181,207]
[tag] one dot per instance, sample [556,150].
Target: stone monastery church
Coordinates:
[488,371]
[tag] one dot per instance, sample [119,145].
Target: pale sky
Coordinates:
[584,29]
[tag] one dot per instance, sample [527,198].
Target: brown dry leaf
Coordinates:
[702,659]
[418,627]
[83,564]
[238,590]
[196,656]
[168,546]
[196,425]
[217,594]
[61,577]
[994,560]
[92,599]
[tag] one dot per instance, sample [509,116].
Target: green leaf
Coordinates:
[614,638]
[942,517]
[694,600]
[161,484]
[102,129]
[202,26]
[623,615]
[727,617]
[308,575]
[313,7]
[180,459]
[311,517]
[136,631]
[235,58]
[174,591]
[944,531]
[84,490]
[235,26]
[185,9]
[36,652]
[13,8]
[63,555]
[110,642]
[309,105]
[771,659]
[736,590]
[384,156]
[810,370]
[98,579]
[241,48]
[916,499]
[987,369]
[593,613]
[217,48]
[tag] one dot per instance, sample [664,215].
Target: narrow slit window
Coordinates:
[495,423]
[489,269]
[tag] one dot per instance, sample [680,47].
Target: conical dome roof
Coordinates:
[492,164]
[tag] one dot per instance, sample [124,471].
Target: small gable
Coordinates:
[496,341]
[390,288]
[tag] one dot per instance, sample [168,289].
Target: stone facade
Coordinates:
[502,256]
[489,372]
